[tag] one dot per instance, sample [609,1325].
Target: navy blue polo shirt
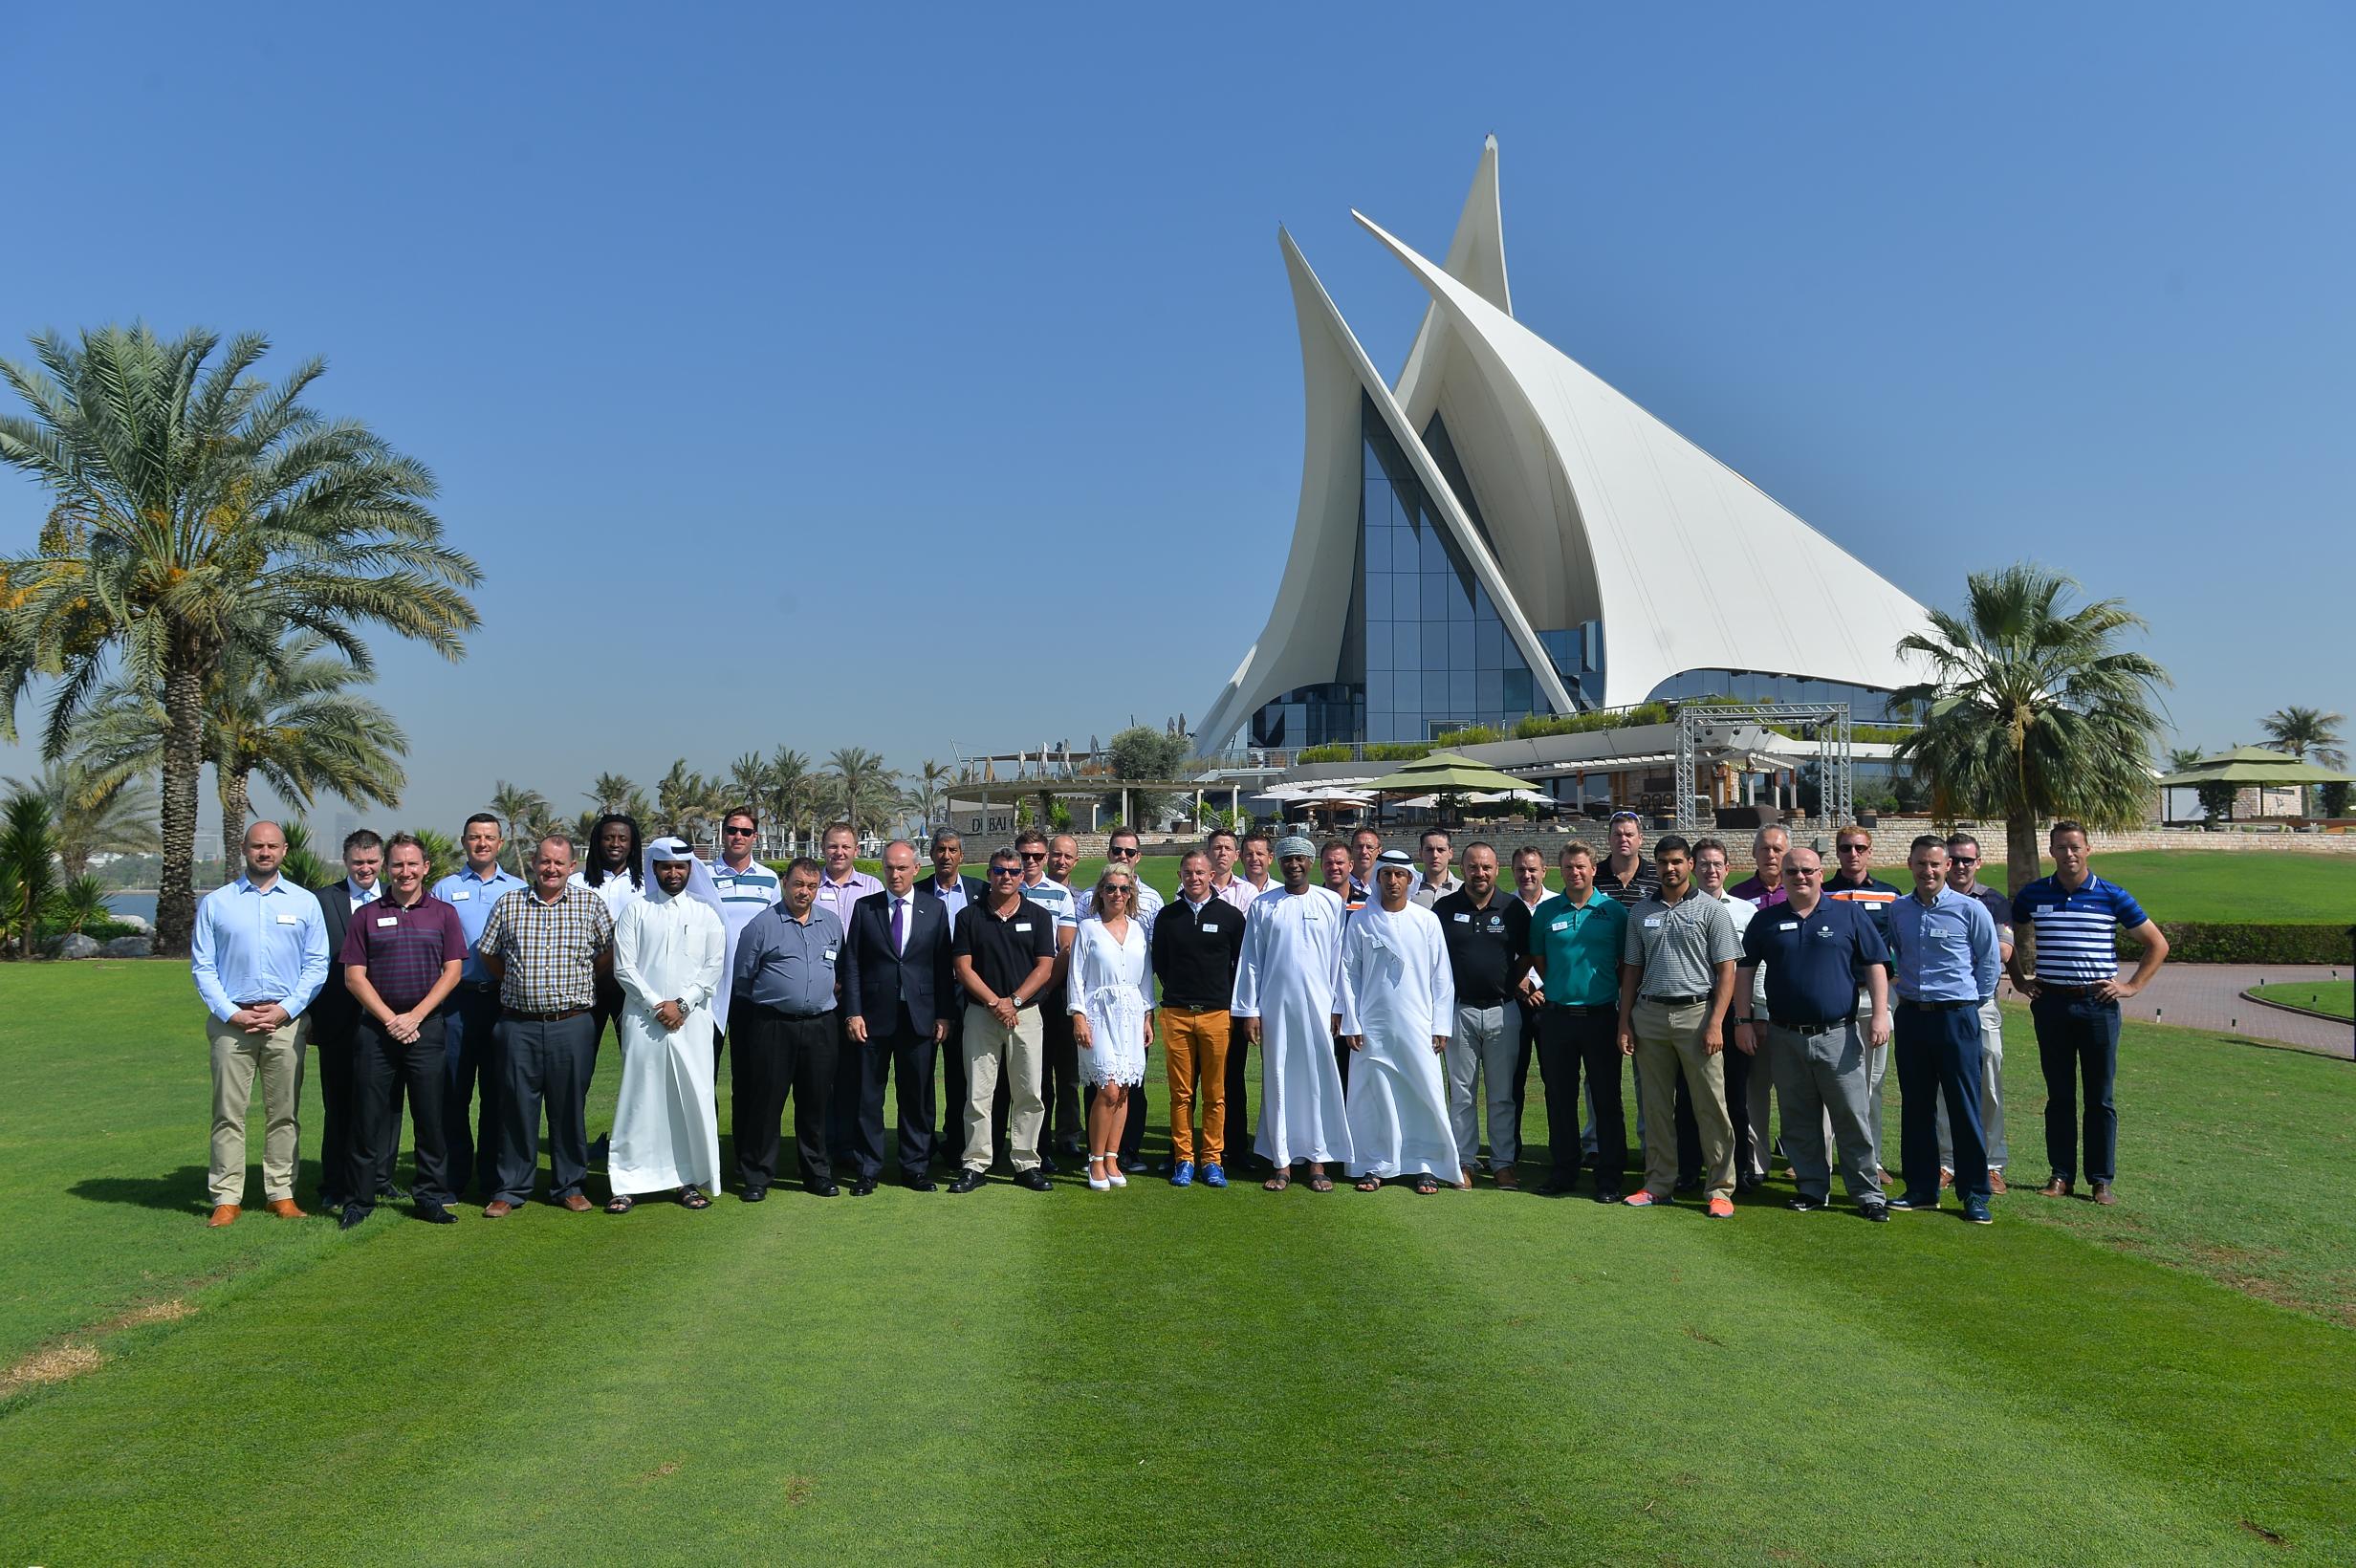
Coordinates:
[1813,960]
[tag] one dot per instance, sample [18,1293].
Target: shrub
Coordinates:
[1323,754]
[2193,942]
[1471,734]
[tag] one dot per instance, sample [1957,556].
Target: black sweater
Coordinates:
[1195,952]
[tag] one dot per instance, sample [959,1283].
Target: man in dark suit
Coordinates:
[957,894]
[332,1019]
[897,993]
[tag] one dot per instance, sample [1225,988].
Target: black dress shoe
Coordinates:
[1034,1180]
[1877,1213]
[1803,1203]
[863,1187]
[353,1215]
[1606,1194]
[1558,1186]
[391,1192]
[968,1180]
[1133,1165]
[1047,1162]
[752,1194]
[433,1214]
[916,1181]
[1748,1183]
[1688,1184]
[826,1190]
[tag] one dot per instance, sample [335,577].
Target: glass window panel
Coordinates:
[1435,593]
[1380,685]
[1459,599]
[1517,694]
[1378,597]
[1481,603]
[1460,646]
[1403,597]
[1487,644]
[1435,690]
[1378,635]
[1461,690]
[1434,553]
[1489,690]
[1378,549]
[1434,645]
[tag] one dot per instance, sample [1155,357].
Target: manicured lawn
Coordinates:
[2337,997]
[1156,1374]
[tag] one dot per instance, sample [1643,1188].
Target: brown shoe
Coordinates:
[1508,1177]
[1996,1182]
[499,1208]
[284,1208]
[2057,1188]
[223,1214]
[2104,1195]
[578,1203]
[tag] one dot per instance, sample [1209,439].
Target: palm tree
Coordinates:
[189,495]
[2032,710]
[443,856]
[29,884]
[790,783]
[611,792]
[116,817]
[686,801]
[282,713]
[930,784]
[748,786]
[860,789]
[517,807]
[2308,733]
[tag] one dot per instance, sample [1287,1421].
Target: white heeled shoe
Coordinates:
[1095,1183]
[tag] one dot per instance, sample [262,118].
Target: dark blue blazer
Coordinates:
[877,982]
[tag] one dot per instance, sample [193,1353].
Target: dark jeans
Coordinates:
[1566,1042]
[381,1069]
[1939,1053]
[908,1056]
[1530,1016]
[2077,1043]
[1237,1133]
[777,1056]
[544,1066]
[334,1052]
[470,1066]
[1067,1127]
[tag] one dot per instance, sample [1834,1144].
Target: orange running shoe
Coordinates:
[1640,1198]
[1721,1208]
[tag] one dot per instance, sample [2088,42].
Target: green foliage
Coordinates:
[92,816]
[2311,734]
[2201,942]
[1539,725]
[444,854]
[1471,734]
[79,904]
[305,865]
[197,509]
[1397,751]
[1059,815]
[1322,754]
[29,881]
[2217,798]
[857,789]
[1144,751]
[2332,798]
[2336,998]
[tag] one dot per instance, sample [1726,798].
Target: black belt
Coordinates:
[791,1017]
[558,1017]
[1675,1001]
[1582,1010]
[1937,1007]
[2046,988]
[1168,1006]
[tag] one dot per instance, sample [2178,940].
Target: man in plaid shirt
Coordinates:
[546,945]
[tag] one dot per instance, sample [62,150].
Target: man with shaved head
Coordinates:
[258,954]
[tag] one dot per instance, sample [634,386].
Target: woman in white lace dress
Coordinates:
[1110,997]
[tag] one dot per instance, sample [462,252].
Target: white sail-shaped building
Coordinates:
[1500,534]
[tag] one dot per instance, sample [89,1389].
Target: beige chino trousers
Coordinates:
[1667,1038]
[237,1060]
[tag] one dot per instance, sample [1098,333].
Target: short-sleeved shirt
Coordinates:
[1999,908]
[402,949]
[2074,941]
[1581,944]
[1755,891]
[1485,946]
[1680,945]
[1005,949]
[472,895]
[744,894]
[839,899]
[1873,898]
[1813,960]
[1627,894]
[787,964]
[1056,899]
[550,949]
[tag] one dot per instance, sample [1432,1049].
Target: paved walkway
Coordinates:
[2209,996]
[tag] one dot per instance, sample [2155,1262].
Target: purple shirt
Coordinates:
[404,949]
[1757,894]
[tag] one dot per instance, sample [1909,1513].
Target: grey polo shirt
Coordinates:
[1680,945]
[786,964]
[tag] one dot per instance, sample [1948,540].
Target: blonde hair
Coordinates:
[1114,876]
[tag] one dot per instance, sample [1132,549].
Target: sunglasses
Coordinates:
[1625,816]
[1006,871]
[1804,871]
[740,833]
[1035,854]
[1855,849]
[1117,853]
[1965,860]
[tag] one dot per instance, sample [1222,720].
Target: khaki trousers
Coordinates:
[1668,1038]
[237,1058]
[991,1047]
[1195,1049]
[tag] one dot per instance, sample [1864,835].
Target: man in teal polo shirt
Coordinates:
[1576,939]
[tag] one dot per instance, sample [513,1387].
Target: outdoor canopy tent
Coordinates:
[2254,764]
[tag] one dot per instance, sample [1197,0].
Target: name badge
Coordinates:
[1210,927]
[1560,926]
[1789,926]
[388,919]
[462,895]
[724,883]
[1652,922]
[1022,926]
[290,919]
[1464,920]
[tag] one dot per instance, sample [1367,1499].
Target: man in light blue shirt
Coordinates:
[1945,959]
[258,955]
[471,1017]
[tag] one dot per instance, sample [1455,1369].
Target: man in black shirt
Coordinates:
[1625,877]
[1488,935]
[1197,939]
[1004,955]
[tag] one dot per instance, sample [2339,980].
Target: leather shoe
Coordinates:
[2057,1188]
[1557,1187]
[499,1208]
[285,1210]
[754,1194]
[863,1187]
[354,1216]
[825,1189]
[1034,1180]
[1047,1162]
[968,1180]
[578,1203]
[223,1214]
[916,1181]
[434,1213]
[1133,1165]
[2104,1195]
[392,1192]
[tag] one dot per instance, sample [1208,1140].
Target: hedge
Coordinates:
[2196,943]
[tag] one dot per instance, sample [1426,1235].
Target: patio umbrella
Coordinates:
[2257,766]
[1448,772]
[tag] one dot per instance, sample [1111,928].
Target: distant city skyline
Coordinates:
[715,333]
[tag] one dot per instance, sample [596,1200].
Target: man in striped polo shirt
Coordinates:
[2066,964]
[746,888]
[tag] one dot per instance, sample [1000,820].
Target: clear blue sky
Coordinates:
[718,323]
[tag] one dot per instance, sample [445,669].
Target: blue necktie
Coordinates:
[899,925]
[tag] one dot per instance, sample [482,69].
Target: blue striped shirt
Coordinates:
[472,894]
[2075,945]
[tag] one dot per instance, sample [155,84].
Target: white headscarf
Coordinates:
[700,884]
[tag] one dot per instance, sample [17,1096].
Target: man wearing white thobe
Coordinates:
[1284,996]
[1398,1010]
[670,950]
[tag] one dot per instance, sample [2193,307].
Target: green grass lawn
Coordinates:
[2337,997]
[1160,1375]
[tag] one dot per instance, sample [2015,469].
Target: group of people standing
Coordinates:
[1391,1004]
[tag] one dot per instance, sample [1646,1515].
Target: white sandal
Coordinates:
[1095,1183]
